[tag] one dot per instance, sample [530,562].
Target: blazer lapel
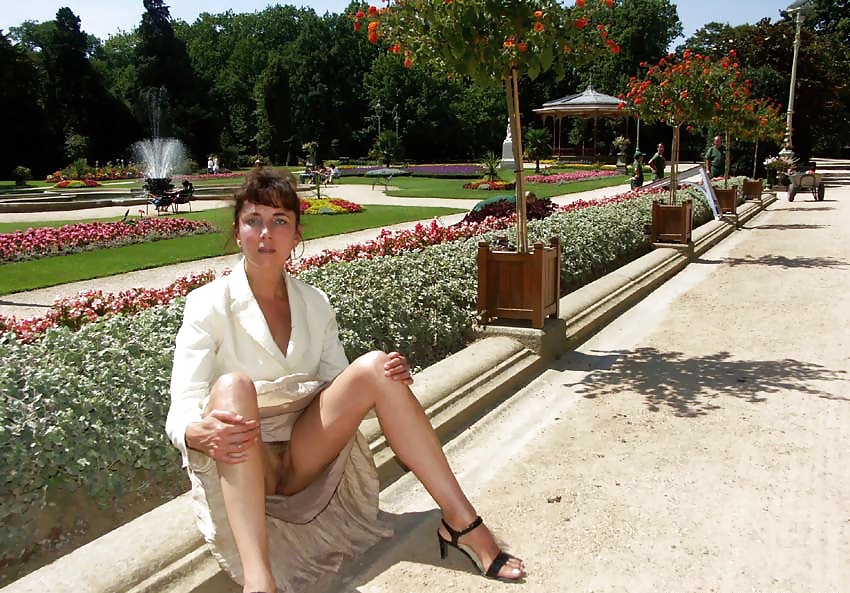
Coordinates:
[300,335]
[248,312]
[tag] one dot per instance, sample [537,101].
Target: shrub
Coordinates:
[21,175]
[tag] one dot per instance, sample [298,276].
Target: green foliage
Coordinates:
[84,411]
[21,175]
[537,146]
[490,166]
[386,148]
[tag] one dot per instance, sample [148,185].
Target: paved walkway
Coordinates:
[698,443]
[36,302]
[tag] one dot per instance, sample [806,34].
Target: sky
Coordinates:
[102,19]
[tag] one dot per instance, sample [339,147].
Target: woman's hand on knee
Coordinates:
[223,435]
[397,368]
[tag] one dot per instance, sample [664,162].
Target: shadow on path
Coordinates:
[692,386]
[415,541]
[783,227]
[779,261]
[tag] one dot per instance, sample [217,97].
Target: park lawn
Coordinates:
[426,187]
[42,273]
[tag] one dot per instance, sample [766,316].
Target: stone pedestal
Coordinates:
[508,161]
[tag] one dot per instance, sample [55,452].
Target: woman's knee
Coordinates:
[233,391]
[370,366]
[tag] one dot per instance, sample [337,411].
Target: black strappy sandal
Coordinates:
[492,572]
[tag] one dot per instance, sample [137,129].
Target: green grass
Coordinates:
[42,273]
[425,187]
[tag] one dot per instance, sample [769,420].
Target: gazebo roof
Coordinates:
[587,104]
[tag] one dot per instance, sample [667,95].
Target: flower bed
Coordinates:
[73,238]
[329,206]
[75,183]
[206,176]
[438,171]
[484,184]
[560,178]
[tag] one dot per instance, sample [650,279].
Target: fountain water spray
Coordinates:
[160,156]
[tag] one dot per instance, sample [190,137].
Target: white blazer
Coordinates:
[224,331]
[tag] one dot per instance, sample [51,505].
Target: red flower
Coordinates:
[373,11]
[581,23]
[580,3]
[356,25]
[522,46]
[360,14]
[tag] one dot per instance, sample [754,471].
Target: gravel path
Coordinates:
[698,443]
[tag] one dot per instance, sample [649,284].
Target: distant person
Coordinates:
[258,163]
[333,173]
[215,166]
[715,158]
[209,165]
[657,163]
[636,180]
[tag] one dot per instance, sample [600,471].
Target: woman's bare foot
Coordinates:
[482,542]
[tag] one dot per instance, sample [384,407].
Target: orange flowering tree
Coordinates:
[676,92]
[764,122]
[493,42]
[733,103]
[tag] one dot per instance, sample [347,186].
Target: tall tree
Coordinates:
[28,140]
[277,108]
[94,124]
[163,62]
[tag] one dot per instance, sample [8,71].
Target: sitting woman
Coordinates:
[265,409]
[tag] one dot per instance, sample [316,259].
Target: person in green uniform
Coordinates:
[715,158]
[636,180]
[657,162]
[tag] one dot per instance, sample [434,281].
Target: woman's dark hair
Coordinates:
[268,188]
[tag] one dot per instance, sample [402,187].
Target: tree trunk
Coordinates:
[674,165]
[512,89]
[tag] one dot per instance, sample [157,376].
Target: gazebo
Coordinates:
[587,105]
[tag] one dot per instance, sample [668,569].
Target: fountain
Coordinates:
[159,155]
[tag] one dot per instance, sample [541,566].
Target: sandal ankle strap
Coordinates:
[456,535]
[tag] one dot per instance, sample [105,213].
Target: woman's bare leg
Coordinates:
[243,486]
[332,419]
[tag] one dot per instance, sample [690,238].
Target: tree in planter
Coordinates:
[492,43]
[537,146]
[490,166]
[386,148]
[675,92]
[732,101]
[763,122]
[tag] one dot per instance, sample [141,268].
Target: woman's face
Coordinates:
[267,235]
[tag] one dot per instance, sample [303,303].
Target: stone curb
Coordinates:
[162,552]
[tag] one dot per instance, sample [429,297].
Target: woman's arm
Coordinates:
[192,370]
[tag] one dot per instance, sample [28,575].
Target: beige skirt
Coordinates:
[311,533]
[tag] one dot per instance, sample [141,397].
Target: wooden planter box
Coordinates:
[524,286]
[752,190]
[672,223]
[726,199]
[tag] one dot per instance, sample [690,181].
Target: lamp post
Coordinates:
[395,118]
[787,150]
[379,110]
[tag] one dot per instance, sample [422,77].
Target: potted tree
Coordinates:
[497,43]
[674,92]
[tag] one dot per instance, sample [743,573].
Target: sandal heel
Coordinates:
[490,572]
